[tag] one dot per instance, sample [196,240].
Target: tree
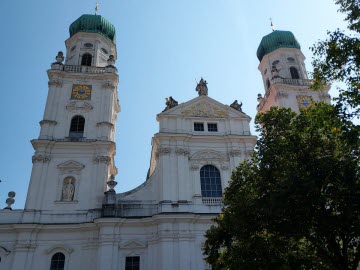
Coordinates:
[296,203]
[337,59]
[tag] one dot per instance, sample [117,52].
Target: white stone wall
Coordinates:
[162,242]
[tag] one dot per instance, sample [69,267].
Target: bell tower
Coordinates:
[285,80]
[74,153]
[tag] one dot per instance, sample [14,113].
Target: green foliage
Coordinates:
[337,59]
[295,204]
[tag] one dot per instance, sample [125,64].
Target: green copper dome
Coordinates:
[93,24]
[275,40]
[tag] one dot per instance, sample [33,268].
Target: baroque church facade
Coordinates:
[73,218]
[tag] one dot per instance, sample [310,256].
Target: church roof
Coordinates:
[275,40]
[93,24]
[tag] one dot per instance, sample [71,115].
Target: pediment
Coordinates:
[204,106]
[82,106]
[204,109]
[70,166]
[208,155]
[4,251]
[132,245]
[59,248]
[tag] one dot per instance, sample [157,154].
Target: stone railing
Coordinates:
[298,82]
[83,69]
[74,139]
[212,201]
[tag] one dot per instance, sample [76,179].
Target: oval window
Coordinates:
[276,62]
[104,50]
[290,59]
[265,71]
[73,48]
[88,45]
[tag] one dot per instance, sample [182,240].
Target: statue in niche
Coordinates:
[202,88]
[170,103]
[275,72]
[235,105]
[68,189]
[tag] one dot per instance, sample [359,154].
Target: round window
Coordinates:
[88,45]
[104,50]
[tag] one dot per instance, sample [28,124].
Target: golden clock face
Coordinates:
[304,101]
[81,91]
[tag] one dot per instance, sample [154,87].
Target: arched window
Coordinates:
[77,127]
[86,59]
[210,181]
[267,83]
[57,261]
[294,73]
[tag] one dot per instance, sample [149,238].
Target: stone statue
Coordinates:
[259,98]
[59,58]
[68,190]
[275,72]
[170,103]
[236,105]
[10,200]
[111,60]
[202,88]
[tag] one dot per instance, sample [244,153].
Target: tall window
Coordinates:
[267,83]
[294,73]
[86,59]
[57,261]
[132,263]
[77,127]
[210,181]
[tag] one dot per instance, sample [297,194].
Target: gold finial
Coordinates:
[272,25]
[97,8]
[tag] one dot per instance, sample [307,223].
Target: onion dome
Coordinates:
[275,40]
[93,24]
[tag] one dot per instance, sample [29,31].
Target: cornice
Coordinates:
[40,158]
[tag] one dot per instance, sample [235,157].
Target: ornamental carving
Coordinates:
[224,166]
[194,166]
[208,155]
[205,110]
[49,122]
[55,83]
[182,151]
[103,159]
[162,151]
[40,158]
[109,85]
[282,94]
[105,124]
[79,106]
[235,153]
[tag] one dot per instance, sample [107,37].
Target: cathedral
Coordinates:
[74,219]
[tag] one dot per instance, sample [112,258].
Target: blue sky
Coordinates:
[163,46]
